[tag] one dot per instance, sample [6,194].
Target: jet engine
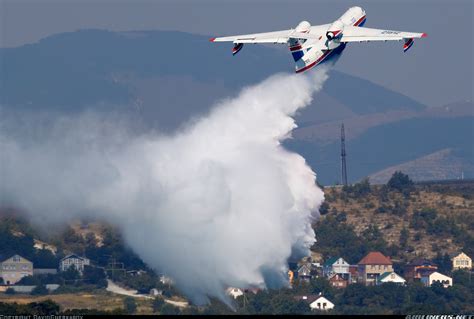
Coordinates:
[335,30]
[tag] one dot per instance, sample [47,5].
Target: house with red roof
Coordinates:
[372,266]
[338,281]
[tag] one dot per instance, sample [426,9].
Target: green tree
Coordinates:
[130,305]
[444,262]
[71,275]
[45,308]
[44,258]
[95,276]
[158,302]
[40,290]
[324,208]
[359,189]
[400,182]
[168,309]
[404,236]
[10,291]
[362,188]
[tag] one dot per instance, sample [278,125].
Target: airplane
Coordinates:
[312,45]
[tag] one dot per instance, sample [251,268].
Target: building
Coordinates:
[337,281]
[338,266]
[354,273]
[45,271]
[15,268]
[304,272]
[73,261]
[165,280]
[234,292]
[420,268]
[155,292]
[462,261]
[322,304]
[391,276]
[437,277]
[135,273]
[372,266]
[316,302]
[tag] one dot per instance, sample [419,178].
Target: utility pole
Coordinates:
[112,266]
[343,157]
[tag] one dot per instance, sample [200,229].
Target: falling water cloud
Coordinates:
[221,203]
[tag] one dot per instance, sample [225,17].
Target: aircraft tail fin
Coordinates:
[296,48]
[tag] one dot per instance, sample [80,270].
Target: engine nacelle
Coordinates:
[335,30]
[303,27]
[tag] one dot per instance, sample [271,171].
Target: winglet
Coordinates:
[212,39]
[424,35]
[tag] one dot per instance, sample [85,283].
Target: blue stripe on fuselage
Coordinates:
[297,55]
[335,54]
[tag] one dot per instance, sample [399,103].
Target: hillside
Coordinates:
[387,145]
[405,222]
[437,218]
[440,165]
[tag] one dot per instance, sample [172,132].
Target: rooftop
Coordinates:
[375,258]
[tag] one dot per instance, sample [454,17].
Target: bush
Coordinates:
[40,290]
[130,305]
[341,217]
[324,208]
[400,182]
[369,205]
[359,189]
[381,210]
[10,291]
[71,275]
[95,276]
[404,236]
[157,304]
[423,218]
[168,309]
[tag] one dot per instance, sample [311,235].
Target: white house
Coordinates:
[73,261]
[155,292]
[235,292]
[321,303]
[462,261]
[338,266]
[437,277]
[165,280]
[391,276]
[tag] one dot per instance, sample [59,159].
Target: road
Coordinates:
[116,289]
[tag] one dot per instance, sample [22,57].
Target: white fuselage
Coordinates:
[317,51]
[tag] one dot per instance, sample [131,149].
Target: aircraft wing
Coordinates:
[267,37]
[361,34]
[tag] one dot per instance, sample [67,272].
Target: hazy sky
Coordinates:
[436,70]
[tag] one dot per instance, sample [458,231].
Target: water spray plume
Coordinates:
[222,203]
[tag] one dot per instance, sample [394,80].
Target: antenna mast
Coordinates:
[343,157]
